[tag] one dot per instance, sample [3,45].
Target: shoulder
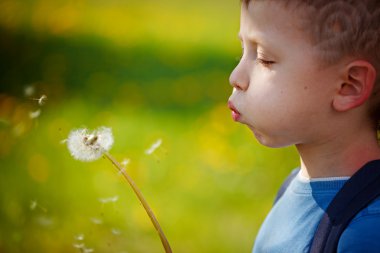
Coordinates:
[286,184]
[363,233]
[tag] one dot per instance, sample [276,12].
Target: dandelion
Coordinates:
[89,146]
[35,114]
[153,148]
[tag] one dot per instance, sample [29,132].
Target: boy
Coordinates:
[308,77]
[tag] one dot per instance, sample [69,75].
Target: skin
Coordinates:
[287,97]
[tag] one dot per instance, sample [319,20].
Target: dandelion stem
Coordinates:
[139,195]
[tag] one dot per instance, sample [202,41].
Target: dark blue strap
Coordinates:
[357,193]
[285,184]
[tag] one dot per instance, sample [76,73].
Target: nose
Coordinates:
[239,77]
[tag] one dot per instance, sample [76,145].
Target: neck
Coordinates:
[339,156]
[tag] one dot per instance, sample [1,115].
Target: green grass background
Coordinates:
[149,70]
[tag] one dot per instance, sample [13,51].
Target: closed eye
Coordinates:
[265,62]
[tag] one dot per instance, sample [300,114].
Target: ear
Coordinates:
[356,87]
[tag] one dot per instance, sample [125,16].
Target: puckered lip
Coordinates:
[232,107]
[235,113]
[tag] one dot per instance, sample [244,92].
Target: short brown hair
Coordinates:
[342,28]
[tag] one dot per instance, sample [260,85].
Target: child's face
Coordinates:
[280,91]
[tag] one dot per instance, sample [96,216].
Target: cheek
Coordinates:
[269,97]
[276,103]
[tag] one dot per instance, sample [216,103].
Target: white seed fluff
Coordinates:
[42,100]
[35,114]
[29,90]
[109,200]
[153,148]
[89,146]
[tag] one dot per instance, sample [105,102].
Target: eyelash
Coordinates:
[265,62]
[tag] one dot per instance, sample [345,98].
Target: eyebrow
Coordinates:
[251,39]
[265,44]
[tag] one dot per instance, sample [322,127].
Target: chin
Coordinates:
[269,141]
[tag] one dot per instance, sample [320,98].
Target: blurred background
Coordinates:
[150,70]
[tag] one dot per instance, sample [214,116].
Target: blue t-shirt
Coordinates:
[293,220]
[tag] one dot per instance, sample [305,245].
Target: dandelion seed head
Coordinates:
[154,146]
[89,146]
[35,114]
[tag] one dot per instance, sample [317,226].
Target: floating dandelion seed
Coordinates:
[125,162]
[115,231]
[109,200]
[82,247]
[45,221]
[96,221]
[79,237]
[34,205]
[154,146]
[87,250]
[29,90]
[64,140]
[122,171]
[78,245]
[35,114]
[89,146]
[41,100]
